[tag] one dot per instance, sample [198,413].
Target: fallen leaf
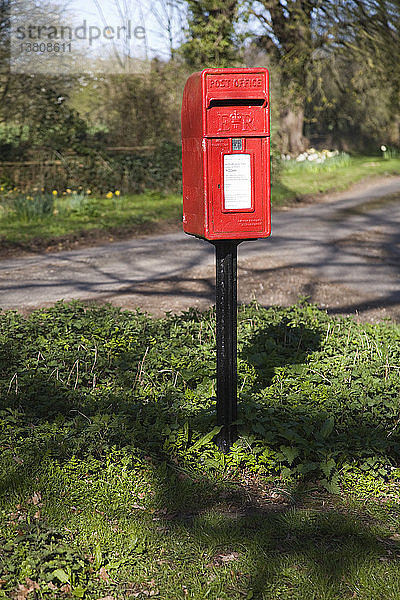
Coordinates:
[23,591]
[104,575]
[37,515]
[222,558]
[36,498]
[66,588]
[229,557]
[33,585]
[106,598]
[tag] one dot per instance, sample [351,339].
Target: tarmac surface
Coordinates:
[342,252]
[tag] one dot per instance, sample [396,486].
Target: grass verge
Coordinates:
[309,179]
[111,485]
[88,218]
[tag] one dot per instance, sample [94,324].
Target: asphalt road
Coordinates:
[342,252]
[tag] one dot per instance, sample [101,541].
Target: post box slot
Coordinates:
[238,102]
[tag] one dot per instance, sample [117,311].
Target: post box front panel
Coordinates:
[239,196]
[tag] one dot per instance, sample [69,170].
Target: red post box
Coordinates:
[226,154]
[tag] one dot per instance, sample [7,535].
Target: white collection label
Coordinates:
[237,181]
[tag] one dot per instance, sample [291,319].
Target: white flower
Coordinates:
[383,148]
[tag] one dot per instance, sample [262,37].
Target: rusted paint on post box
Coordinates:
[226,154]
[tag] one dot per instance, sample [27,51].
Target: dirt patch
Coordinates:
[267,283]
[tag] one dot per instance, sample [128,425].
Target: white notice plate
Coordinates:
[237,181]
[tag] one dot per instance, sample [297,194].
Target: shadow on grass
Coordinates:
[297,553]
[280,548]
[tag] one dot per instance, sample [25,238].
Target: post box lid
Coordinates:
[229,97]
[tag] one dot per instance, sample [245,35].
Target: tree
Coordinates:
[375,39]
[291,33]
[302,35]
[170,18]
[211,33]
[34,107]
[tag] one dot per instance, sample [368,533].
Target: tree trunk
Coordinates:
[394,131]
[291,130]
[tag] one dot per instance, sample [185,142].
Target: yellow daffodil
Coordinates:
[117,192]
[1,189]
[88,191]
[54,192]
[68,191]
[109,195]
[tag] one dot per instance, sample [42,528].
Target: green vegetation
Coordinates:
[111,484]
[29,218]
[44,217]
[338,178]
[299,179]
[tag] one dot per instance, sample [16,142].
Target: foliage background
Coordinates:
[335,83]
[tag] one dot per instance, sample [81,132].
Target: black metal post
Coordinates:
[226,337]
